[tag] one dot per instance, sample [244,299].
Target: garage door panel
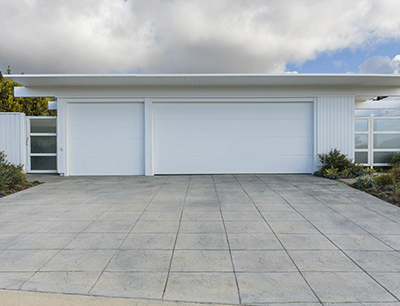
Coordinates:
[106,139]
[220,111]
[233,138]
[234,128]
[121,148]
[104,166]
[107,129]
[220,164]
[245,147]
[103,111]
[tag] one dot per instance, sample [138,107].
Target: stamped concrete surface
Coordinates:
[228,239]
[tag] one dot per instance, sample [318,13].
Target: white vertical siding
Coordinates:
[13,137]
[335,125]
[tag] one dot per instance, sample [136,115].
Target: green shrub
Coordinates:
[346,172]
[384,179]
[365,182]
[395,171]
[344,166]
[358,170]
[336,160]
[11,176]
[397,191]
[395,160]
[332,173]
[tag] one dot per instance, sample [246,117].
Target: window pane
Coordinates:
[43,125]
[361,141]
[361,157]
[383,157]
[386,125]
[43,144]
[361,125]
[387,141]
[43,163]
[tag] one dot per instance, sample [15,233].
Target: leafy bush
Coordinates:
[395,160]
[336,160]
[385,186]
[335,165]
[332,173]
[346,172]
[384,179]
[395,171]
[365,182]
[11,176]
[358,170]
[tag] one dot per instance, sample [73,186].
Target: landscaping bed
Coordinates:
[24,186]
[12,178]
[384,185]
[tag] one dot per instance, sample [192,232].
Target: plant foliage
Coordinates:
[395,160]
[11,176]
[29,106]
[336,165]
[336,160]
[384,179]
[365,182]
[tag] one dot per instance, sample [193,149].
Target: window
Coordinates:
[376,140]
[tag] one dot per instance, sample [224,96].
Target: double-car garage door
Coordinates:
[191,138]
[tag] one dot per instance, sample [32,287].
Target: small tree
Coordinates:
[29,106]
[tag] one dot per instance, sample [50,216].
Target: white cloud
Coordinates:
[381,64]
[100,36]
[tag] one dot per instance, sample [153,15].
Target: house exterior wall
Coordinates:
[333,120]
[333,99]
[13,137]
[335,124]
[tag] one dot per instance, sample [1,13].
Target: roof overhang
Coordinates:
[50,80]
[364,86]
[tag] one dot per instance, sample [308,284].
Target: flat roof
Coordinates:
[287,79]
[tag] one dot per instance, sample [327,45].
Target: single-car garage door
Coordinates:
[195,138]
[106,139]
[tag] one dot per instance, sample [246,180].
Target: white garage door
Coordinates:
[233,138]
[106,139]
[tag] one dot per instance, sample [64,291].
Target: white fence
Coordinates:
[13,137]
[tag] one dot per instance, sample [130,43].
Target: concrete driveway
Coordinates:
[233,239]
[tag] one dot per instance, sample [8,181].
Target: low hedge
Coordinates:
[11,176]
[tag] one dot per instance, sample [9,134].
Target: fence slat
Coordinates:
[12,137]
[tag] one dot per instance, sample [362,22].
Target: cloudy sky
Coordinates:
[200,36]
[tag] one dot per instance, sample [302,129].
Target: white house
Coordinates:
[203,123]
